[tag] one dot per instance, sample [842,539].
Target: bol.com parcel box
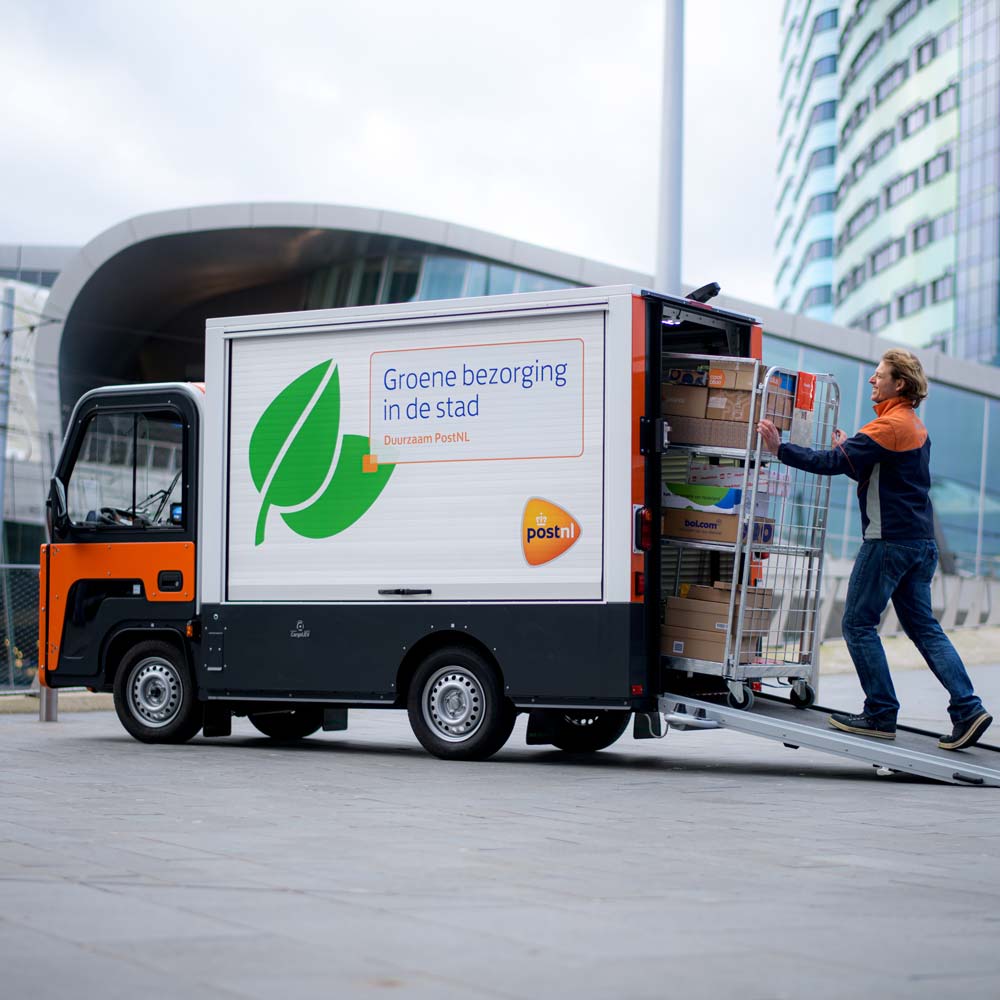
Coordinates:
[699,526]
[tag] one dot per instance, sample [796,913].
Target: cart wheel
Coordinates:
[805,700]
[745,703]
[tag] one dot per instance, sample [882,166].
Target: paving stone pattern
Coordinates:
[705,865]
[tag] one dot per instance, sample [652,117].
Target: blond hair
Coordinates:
[906,366]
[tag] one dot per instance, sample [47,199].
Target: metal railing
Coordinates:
[18,626]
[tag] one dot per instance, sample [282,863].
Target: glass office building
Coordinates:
[911,217]
[807,140]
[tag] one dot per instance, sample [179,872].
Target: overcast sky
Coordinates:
[537,119]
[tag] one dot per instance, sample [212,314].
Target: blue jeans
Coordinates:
[900,572]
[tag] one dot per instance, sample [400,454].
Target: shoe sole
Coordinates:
[971,735]
[877,733]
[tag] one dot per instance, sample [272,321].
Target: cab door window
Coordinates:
[129,472]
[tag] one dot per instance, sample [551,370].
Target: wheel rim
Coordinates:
[454,704]
[155,692]
[582,721]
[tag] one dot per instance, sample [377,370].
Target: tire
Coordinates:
[155,695]
[745,703]
[806,701]
[296,724]
[457,706]
[587,732]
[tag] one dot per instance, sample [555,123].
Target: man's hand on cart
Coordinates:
[769,435]
[839,437]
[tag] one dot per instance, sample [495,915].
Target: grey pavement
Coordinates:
[707,864]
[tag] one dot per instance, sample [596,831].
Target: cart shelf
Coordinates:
[773,548]
[709,451]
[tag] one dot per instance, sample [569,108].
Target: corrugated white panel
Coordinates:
[472,443]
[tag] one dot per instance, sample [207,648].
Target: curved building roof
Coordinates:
[131,305]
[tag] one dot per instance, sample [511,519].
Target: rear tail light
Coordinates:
[644,529]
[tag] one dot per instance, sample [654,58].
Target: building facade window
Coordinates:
[922,234]
[820,295]
[878,318]
[825,21]
[862,218]
[865,55]
[817,250]
[901,14]
[857,116]
[913,121]
[887,255]
[946,100]
[926,52]
[883,145]
[817,204]
[826,66]
[901,188]
[937,166]
[890,82]
[943,288]
[910,302]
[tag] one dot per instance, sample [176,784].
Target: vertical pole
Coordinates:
[668,237]
[6,353]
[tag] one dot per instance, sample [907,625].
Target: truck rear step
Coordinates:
[914,751]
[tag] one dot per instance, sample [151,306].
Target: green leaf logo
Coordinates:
[292,453]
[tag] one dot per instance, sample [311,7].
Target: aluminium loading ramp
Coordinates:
[914,751]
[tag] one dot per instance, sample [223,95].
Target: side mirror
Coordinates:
[57,512]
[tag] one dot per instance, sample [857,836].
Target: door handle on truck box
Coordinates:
[403,592]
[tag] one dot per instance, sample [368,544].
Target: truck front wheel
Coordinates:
[155,695]
[457,707]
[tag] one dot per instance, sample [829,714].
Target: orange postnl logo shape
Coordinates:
[547,531]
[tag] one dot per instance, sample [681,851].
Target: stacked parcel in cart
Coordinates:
[742,536]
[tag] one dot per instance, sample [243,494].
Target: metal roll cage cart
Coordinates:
[775,564]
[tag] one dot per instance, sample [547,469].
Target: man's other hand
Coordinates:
[769,435]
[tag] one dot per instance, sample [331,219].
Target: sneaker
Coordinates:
[966,733]
[863,725]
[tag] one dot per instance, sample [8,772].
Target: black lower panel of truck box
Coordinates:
[586,653]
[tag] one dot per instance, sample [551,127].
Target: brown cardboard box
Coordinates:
[731,404]
[683,400]
[711,616]
[731,375]
[756,597]
[699,645]
[712,433]
[702,527]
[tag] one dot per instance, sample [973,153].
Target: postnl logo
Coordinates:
[547,531]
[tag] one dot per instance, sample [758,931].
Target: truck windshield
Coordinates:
[129,471]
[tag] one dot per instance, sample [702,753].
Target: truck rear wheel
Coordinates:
[586,732]
[296,724]
[155,695]
[457,707]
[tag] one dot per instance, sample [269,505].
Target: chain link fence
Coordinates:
[18,626]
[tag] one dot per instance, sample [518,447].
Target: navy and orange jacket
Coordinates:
[890,461]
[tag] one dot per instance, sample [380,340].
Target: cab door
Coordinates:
[123,517]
